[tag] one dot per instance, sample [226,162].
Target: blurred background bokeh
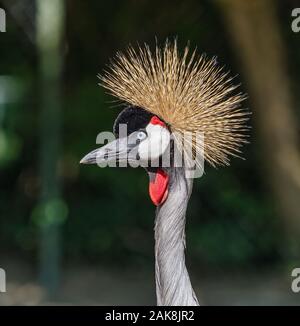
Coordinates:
[72,234]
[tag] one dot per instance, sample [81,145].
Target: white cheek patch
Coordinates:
[156,143]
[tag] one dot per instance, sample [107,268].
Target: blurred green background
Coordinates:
[84,235]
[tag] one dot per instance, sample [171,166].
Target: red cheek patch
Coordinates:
[158,187]
[156,121]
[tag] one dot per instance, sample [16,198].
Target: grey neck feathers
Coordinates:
[173,285]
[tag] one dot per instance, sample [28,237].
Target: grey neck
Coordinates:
[173,285]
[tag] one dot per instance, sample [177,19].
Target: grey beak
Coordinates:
[91,158]
[117,151]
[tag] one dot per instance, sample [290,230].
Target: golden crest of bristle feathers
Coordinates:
[189,92]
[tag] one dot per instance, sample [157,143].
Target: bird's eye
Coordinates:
[141,135]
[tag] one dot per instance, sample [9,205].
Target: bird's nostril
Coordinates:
[106,154]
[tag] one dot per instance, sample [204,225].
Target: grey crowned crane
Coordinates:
[169,95]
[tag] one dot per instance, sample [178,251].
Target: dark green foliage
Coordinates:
[231,218]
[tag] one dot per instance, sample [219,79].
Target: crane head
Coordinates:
[172,94]
[141,139]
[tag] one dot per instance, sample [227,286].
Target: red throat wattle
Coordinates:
[158,187]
